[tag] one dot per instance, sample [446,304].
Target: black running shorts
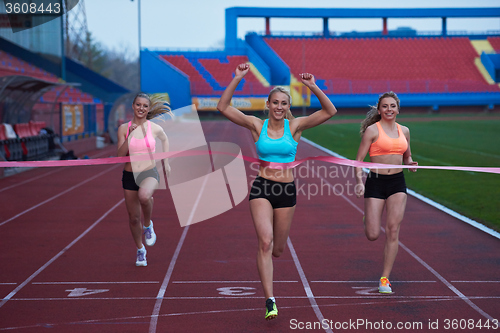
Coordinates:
[130,183]
[383,186]
[280,195]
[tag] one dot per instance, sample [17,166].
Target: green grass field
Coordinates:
[451,142]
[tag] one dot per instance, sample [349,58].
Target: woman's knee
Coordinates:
[392,231]
[145,199]
[134,219]
[372,232]
[372,235]
[266,244]
[278,250]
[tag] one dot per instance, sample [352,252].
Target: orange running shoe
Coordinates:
[384,286]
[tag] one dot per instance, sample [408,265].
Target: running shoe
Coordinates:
[384,286]
[149,235]
[141,258]
[271,309]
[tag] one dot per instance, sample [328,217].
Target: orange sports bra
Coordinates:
[142,146]
[388,146]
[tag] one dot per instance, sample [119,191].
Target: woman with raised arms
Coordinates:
[273,194]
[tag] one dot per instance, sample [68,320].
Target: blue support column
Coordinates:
[231,28]
[63,50]
[443,27]
[326,30]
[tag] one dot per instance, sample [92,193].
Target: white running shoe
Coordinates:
[149,235]
[141,258]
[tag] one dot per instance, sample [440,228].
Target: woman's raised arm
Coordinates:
[224,105]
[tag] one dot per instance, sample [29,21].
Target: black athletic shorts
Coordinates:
[383,186]
[280,195]
[130,183]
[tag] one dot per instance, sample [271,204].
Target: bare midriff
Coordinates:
[387,159]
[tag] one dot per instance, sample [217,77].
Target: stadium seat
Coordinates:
[495,43]
[209,76]
[199,86]
[10,65]
[12,144]
[374,65]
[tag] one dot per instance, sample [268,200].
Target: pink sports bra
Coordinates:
[142,146]
[386,145]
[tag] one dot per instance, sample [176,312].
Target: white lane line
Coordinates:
[307,288]
[130,318]
[97,282]
[30,180]
[159,298]
[58,195]
[448,284]
[371,282]
[424,199]
[476,281]
[28,280]
[156,310]
[7,283]
[232,281]
[423,263]
[456,215]
[43,175]
[386,297]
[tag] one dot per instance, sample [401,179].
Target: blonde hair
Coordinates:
[373,116]
[157,106]
[288,115]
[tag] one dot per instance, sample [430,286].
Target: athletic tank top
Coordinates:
[142,146]
[280,150]
[386,145]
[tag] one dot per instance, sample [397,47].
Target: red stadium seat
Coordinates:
[495,43]
[221,70]
[199,86]
[412,65]
[10,65]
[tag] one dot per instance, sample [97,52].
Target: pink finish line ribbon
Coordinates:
[273,165]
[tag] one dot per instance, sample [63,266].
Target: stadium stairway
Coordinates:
[206,74]
[259,76]
[483,46]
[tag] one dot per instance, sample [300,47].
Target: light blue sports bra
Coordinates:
[280,150]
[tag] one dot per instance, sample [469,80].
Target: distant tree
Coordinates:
[116,65]
[122,68]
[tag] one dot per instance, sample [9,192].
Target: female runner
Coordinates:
[388,143]
[140,178]
[273,194]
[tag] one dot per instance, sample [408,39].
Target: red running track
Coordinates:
[68,261]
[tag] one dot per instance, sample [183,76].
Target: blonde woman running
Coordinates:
[388,143]
[273,194]
[141,179]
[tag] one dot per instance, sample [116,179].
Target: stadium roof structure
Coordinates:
[20,93]
[91,82]
[233,13]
